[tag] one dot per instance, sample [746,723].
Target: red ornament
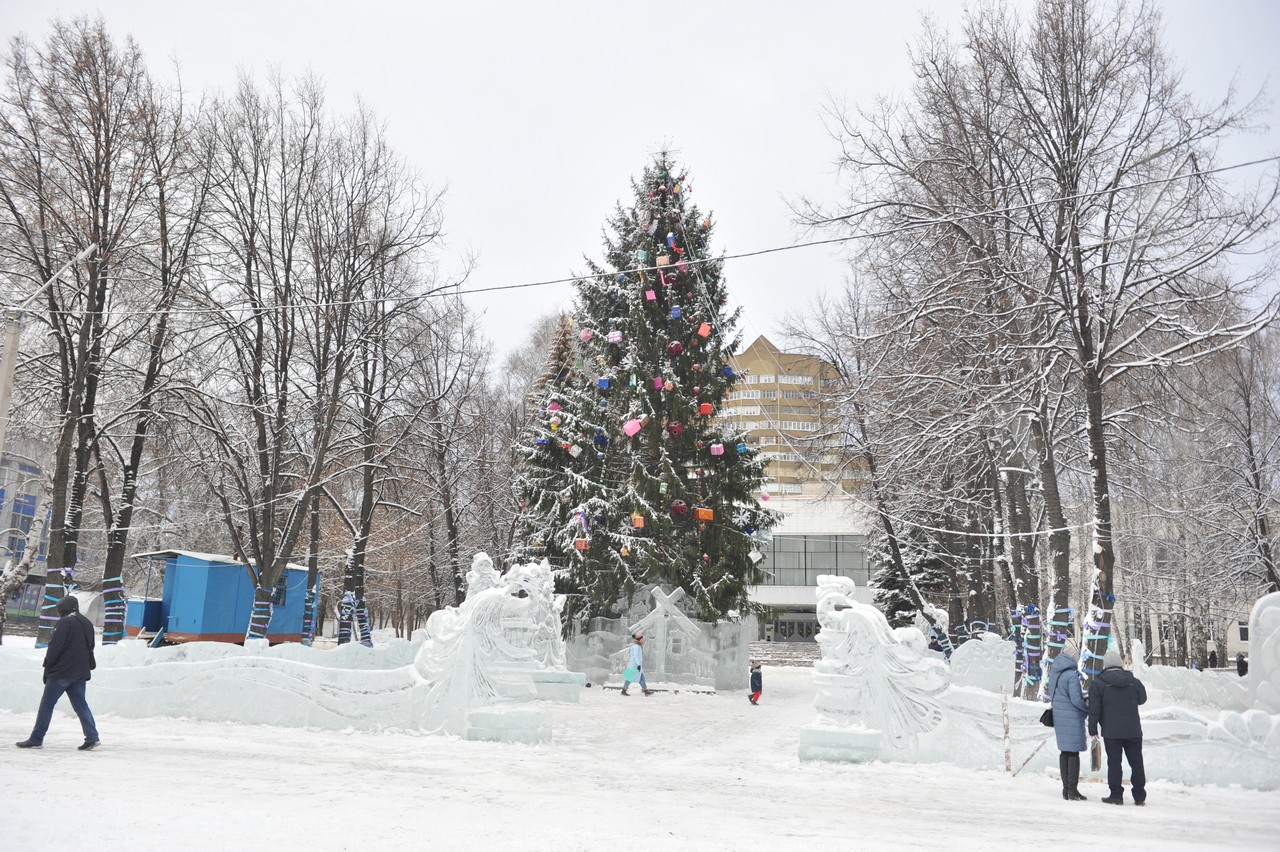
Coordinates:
[674,428]
[675,349]
[699,444]
[706,557]
[696,390]
[679,508]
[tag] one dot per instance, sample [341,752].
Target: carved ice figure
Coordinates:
[545,610]
[870,676]
[671,636]
[476,655]
[482,574]
[1264,653]
[985,661]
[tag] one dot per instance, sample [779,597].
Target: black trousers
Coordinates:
[1132,751]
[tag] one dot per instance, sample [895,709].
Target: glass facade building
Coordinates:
[797,560]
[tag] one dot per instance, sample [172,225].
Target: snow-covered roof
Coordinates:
[205,557]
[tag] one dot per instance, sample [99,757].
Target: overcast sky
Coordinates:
[536,114]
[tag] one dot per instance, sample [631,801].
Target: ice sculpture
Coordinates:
[880,697]
[482,574]
[877,688]
[472,672]
[986,661]
[669,633]
[1220,690]
[480,655]
[1264,654]
[552,679]
[679,651]
[546,608]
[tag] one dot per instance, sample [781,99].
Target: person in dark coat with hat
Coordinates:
[67,666]
[1113,703]
[1069,713]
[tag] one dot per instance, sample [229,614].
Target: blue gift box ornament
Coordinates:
[603,383]
[675,312]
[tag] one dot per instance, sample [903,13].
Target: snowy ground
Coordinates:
[675,771]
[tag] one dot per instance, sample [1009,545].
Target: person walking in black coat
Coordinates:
[67,664]
[1113,703]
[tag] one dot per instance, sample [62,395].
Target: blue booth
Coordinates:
[208,598]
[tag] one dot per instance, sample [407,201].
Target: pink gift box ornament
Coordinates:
[631,427]
[717,449]
[614,337]
[657,382]
[650,296]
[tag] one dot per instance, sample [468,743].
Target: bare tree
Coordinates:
[74,173]
[1062,186]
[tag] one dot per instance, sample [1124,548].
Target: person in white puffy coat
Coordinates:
[635,660]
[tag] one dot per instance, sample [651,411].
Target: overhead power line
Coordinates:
[453,291]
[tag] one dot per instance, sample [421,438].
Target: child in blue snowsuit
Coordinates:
[757,682]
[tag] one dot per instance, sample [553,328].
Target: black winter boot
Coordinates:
[1073,778]
[1062,771]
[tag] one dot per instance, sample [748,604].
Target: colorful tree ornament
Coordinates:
[679,508]
[675,349]
[675,428]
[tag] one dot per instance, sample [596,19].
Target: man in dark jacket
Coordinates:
[67,664]
[1113,703]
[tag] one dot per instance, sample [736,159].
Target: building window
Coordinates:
[24,511]
[280,595]
[1244,631]
[798,560]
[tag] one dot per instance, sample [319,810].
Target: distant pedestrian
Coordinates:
[1213,659]
[635,666]
[67,664]
[1113,703]
[1242,665]
[757,682]
[1069,713]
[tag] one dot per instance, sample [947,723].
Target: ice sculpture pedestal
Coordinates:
[559,686]
[838,744]
[509,724]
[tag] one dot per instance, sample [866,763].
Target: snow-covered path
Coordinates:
[675,771]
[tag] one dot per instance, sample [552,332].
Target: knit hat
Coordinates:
[1071,649]
[68,604]
[1112,660]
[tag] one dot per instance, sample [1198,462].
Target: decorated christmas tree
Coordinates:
[627,478]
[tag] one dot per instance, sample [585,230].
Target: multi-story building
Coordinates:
[19,486]
[779,403]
